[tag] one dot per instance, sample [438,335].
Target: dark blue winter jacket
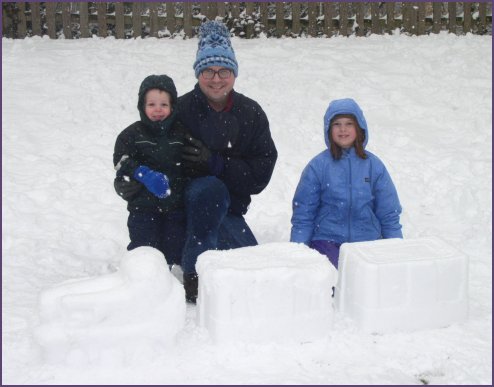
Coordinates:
[240,136]
[346,200]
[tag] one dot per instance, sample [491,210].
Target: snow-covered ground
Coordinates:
[428,103]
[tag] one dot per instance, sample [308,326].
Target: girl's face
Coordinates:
[157,105]
[344,132]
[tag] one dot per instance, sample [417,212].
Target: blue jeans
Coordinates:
[209,225]
[165,232]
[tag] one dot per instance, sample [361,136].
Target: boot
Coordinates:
[191,284]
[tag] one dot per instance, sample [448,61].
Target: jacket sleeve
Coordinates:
[123,154]
[304,206]
[387,205]
[249,173]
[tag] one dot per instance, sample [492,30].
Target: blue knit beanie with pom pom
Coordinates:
[215,48]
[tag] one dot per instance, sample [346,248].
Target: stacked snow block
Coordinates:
[402,284]
[139,307]
[276,292]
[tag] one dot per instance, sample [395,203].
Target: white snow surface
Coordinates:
[428,103]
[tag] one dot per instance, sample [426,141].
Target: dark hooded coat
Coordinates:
[157,145]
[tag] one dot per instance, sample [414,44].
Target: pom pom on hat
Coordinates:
[215,48]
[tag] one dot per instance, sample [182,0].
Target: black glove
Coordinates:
[126,189]
[195,156]
[195,151]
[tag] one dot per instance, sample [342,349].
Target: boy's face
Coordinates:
[157,105]
[344,132]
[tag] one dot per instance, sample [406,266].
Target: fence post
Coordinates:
[220,6]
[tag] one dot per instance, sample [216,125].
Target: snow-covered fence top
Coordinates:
[246,19]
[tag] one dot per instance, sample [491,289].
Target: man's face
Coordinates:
[216,87]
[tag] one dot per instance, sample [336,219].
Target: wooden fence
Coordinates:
[123,20]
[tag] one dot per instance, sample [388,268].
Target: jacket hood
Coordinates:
[160,82]
[344,106]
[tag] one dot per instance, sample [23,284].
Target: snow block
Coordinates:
[402,284]
[276,292]
[140,306]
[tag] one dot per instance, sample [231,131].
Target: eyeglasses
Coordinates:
[222,73]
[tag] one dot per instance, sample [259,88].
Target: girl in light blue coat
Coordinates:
[345,193]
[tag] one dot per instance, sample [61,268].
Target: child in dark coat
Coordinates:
[149,151]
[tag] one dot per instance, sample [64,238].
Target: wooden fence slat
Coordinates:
[136,19]
[467,17]
[263,8]
[328,18]
[170,17]
[21,26]
[375,20]
[296,18]
[50,19]
[220,5]
[66,25]
[313,13]
[119,20]
[235,10]
[35,18]
[343,19]
[188,19]
[413,14]
[249,10]
[102,28]
[452,16]
[359,18]
[436,17]
[421,19]
[84,19]
[390,16]
[153,20]
[482,17]
[280,19]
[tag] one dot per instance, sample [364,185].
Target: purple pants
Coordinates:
[327,248]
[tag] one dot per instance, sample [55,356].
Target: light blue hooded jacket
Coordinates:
[345,200]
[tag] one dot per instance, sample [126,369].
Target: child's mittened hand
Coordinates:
[156,182]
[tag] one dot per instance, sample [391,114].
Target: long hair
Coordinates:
[336,150]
